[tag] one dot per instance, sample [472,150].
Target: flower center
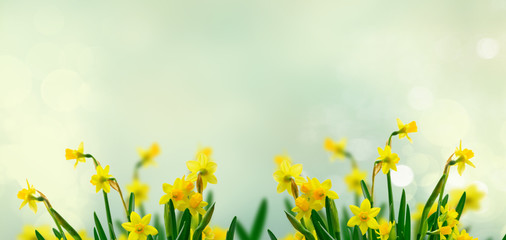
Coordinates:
[319,194]
[302,203]
[139,228]
[306,187]
[363,216]
[195,200]
[287,178]
[203,171]
[177,194]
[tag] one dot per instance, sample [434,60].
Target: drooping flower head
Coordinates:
[337,149]
[101,179]
[28,196]
[384,230]
[364,216]
[404,129]
[284,176]
[304,205]
[204,167]
[388,159]
[463,156]
[353,180]
[148,155]
[139,228]
[140,191]
[77,154]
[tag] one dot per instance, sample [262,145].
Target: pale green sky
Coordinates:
[252,80]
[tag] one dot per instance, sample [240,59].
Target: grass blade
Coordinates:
[319,228]
[99,227]
[365,191]
[402,212]
[203,224]
[39,237]
[131,204]
[241,231]
[56,233]
[332,218]
[271,235]
[158,225]
[231,229]
[259,222]
[407,225]
[95,234]
[460,205]
[299,227]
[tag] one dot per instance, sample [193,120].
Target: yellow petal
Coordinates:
[150,230]
[212,179]
[372,223]
[355,210]
[145,220]
[374,212]
[135,218]
[164,199]
[193,166]
[363,227]
[353,221]
[365,206]
[296,170]
[128,226]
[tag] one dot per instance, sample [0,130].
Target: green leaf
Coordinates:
[460,205]
[241,231]
[209,199]
[271,235]
[95,234]
[202,225]
[299,227]
[56,233]
[169,216]
[109,218]
[65,225]
[332,218]
[184,233]
[131,204]
[150,237]
[231,229]
[407,225]
[186,217]
[365,191]
[39,237]
[159,227]
[319,228]
[259,222]
[390,198]
[427,207]
[402,212]
[288,205]
[347,230]
[99,227]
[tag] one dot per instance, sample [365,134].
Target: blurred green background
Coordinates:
[252,80]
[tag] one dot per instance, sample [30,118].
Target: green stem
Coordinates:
[109,218]
[57,225]
[390,198]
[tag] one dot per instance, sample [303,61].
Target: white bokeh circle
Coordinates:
[403,176]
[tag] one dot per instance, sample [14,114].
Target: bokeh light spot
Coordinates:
[403,176]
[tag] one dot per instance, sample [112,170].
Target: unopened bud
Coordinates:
[200,185]
[295,189]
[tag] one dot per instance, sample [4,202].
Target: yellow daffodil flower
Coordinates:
[449,215]
[321,190]
[101,179]
[122,237]
[388,159]
[462,235]
[419,210]
[205,150]
[28,232]
[195,204]
[404,129]
[219,233]
[284,176]
[203,166]
[140,191]
[444,231]
[28,196]
[353,180]
[384,230]
[296,236]
[78,154]
[148,155]
[304,205]
[178,192]
[463,156]
[336,148]
[364,216]
[278,159]
[139,228]
[473,197]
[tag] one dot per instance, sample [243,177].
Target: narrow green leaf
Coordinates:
[445,200]
[95,234]
[158,225]
[99,227]
[169,217]
[271,235]
[365,191]
[390,198]
[131,204]
[346,233]
[186,217]
[109,217]
[65,225]
[150,237]
[241,231]
[288,205]
[39,237]
[209,199]
[332,218]
[56,233]
[319,228]
[407,225]
[258,224]
[202,225]
[231,229]
[184,233]
[423,220]
[461,204]
[299,227]
[402,212]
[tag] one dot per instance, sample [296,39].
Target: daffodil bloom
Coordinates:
[463,156]
[139,228]
[473,197]
[449,215]
[78,154]
[322,190]
[444,231]
[336,148]
[148,155]
[353,180]
[203,166]
[278,159]
[195,204]
[388,159]
[207,234]
[28,232]
[101,179]
[284,176]
[140,191]
[364,216]
[219,233]
[205,150]
[304,205]
[404,129]
[384,230]
[28,196]
[178,192]
[419,210]
[462,235]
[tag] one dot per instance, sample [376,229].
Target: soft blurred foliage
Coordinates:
[252,80]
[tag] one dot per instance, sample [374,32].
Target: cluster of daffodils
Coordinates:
[438,217]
